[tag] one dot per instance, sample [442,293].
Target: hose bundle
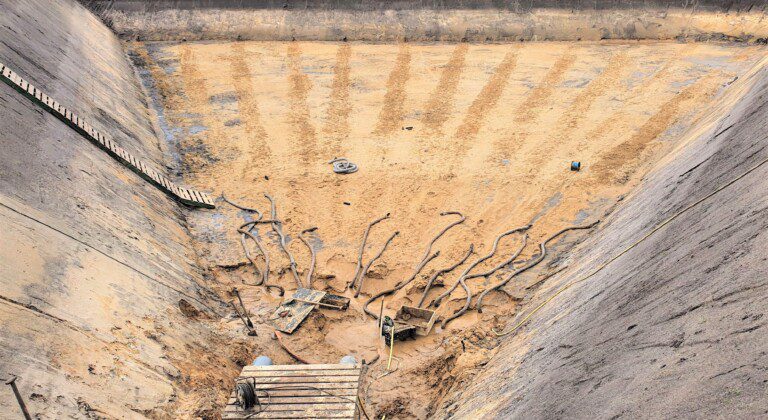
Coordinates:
[343,166]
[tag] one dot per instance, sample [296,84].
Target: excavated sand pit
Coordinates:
[488,130]
[116,300]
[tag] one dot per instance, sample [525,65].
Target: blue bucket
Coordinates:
[262,361]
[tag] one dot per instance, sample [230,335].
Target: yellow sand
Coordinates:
[494,130]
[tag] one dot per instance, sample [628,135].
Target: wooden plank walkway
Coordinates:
[187,196]
[300,392]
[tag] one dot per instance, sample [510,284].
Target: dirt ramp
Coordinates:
[674,328]
[475,20]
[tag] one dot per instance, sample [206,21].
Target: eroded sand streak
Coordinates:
[484,102]
[441,101]
[337,115]
[618,121]
[618,161]
[304,134]
[392,109]
[248,106]
[197,95]
[542,92]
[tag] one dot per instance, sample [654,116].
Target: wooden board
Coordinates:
[327,391]
[288,316]
[421,319]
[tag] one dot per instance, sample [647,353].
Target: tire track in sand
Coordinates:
[305,136]
[337,115]
[484,103]
[440,103]
[393,108]
[247,106]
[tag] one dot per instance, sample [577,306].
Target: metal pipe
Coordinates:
[439,299]
[262,249]
[424,261]
[463,282]
[235,205]
[502,264]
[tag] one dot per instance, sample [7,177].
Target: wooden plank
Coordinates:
[304,400]
[238,416]
[184,193]
[304,393]
[303,367]
[290,380]
[269,405]
[309,385]
[299,373]
[297,414]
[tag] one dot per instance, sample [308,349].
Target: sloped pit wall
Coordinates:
[96,266]
[674,328]
[432,20]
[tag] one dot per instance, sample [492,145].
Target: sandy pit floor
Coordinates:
[485,130]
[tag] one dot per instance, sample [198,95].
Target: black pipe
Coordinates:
[12,383]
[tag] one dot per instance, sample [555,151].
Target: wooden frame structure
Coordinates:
[324,391]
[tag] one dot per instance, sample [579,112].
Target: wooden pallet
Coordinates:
[187,196]
[301,392]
